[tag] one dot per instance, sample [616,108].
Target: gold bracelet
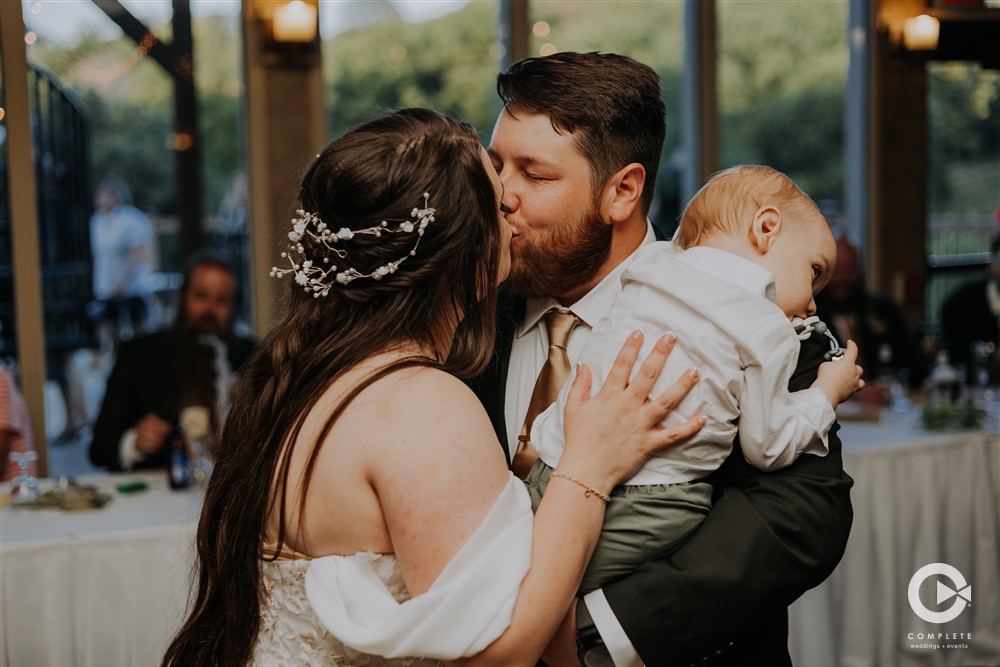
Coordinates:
[587,488]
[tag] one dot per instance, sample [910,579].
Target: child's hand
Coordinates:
[840,378]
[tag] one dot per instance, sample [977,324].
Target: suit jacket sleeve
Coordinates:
[117,413]
[769,537]
[139,383]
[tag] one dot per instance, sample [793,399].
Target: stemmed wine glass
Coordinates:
[24,487]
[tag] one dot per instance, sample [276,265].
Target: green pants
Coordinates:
[642,521]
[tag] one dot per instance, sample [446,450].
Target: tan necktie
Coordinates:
[551,378]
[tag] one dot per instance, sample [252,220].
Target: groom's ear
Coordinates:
[765,228]
[622,193]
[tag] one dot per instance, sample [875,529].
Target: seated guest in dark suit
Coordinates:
[886,342]
[972,312]
[156,376]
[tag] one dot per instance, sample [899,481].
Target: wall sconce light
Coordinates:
[920,33]
[294,23]
[289,31]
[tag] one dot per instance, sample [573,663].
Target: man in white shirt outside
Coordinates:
[121,241]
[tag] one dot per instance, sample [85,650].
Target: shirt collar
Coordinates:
[593,305]
[732,268]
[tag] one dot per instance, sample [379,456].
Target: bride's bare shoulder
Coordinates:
[421,389]
[426,404]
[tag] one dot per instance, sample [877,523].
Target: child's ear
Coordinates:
[765,228]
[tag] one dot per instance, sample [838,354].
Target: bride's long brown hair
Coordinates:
[378,171]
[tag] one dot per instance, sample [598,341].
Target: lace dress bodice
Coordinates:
[362,599]
[291,635]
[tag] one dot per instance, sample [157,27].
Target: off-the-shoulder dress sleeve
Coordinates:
[467,607]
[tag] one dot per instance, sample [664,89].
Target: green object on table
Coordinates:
[132,487]
[952,416]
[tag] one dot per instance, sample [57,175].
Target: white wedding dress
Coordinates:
[291,635]
[355,611]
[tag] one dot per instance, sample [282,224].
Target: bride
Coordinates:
[361,511]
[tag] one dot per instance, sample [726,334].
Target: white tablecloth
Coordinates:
[918,499]
[109,587]
[100,587]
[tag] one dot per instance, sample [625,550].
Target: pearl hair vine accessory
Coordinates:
[319,279]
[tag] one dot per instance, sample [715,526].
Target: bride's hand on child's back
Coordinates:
[611,434]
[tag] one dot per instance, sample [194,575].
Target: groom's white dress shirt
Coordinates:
[530,348]
[528,353]
[722,309]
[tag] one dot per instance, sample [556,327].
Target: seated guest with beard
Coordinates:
[887,343]
[158,375]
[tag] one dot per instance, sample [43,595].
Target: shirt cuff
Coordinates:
[826,415]
[623,654]
[128,453]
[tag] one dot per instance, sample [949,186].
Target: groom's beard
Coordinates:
[564,259]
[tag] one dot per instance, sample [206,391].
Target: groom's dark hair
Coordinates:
[611,103]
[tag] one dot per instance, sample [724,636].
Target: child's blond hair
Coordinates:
[726,204]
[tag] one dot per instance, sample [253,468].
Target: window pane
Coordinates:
[782,76]
[383,56]
[106,126]
[650,32]
[964,180]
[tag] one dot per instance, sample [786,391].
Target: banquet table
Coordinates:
[100,587]
[919,498]
[110,586]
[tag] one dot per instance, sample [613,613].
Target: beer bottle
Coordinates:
[179,470]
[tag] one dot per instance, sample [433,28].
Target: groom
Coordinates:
[577,148]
